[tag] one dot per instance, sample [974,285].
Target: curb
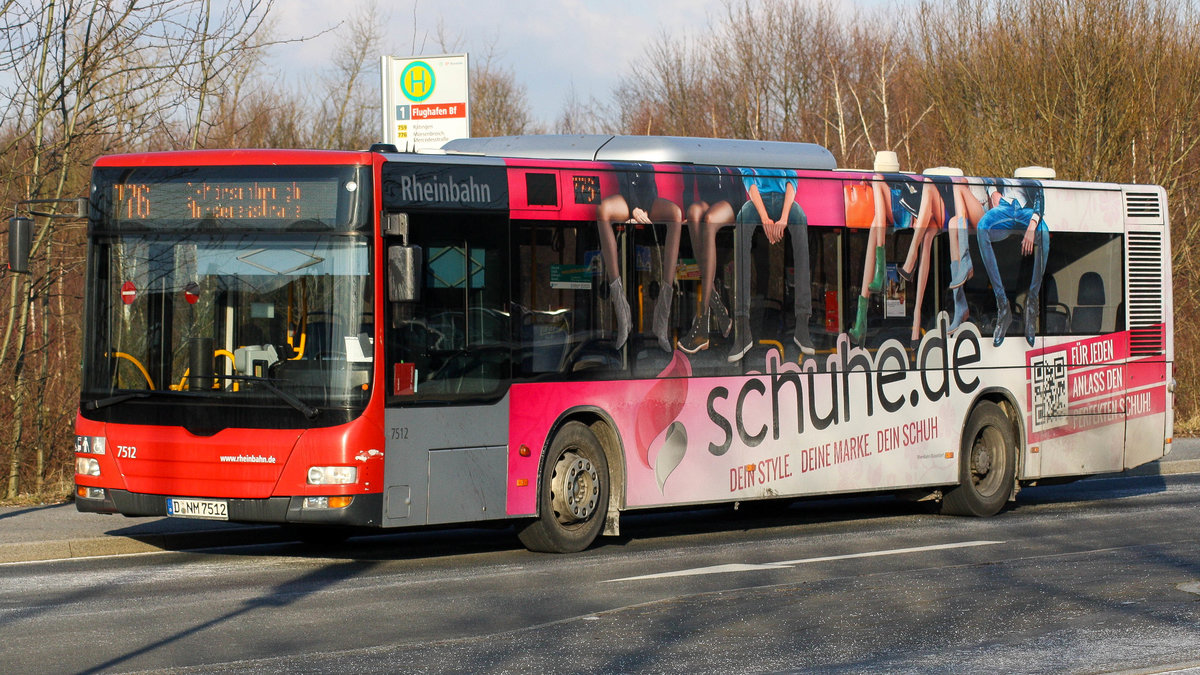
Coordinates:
[1161,468]
[42,551]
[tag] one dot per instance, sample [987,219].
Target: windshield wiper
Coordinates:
[113,400]
[305,409]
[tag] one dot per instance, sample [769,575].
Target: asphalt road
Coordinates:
[1101,575]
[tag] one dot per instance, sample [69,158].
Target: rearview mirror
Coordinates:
[404,270]
[20,240]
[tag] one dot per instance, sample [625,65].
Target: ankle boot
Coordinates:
[720,314]
[616,294]
[960,310]
[697,338]
[662,318]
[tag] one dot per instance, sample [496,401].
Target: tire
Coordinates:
[572,495]
[987,464]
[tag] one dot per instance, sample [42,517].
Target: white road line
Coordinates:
[750,567]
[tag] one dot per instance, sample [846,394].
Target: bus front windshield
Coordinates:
[271,322]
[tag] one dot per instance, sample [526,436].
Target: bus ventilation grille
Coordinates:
[1147,333]
[1143,206]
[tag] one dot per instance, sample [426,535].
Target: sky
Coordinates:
[549,45]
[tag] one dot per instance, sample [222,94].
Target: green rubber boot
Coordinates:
[859,331]
[876,284]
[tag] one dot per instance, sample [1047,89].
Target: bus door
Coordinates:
[1077,367]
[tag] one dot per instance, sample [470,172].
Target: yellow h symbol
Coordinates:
[416,81]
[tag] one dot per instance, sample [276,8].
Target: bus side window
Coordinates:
[1084,284]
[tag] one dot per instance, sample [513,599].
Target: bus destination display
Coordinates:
[226,200]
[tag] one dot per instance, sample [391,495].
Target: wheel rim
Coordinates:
[987,461]
[575,489]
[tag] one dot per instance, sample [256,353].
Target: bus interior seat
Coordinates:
[1057,317]
[595,357]
[319,343]
[1089,307]
[546,336]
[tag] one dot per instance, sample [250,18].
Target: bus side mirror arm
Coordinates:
[404,269]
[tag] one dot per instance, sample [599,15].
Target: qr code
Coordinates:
[1050,397]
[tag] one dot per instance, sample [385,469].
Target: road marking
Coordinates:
[751,567]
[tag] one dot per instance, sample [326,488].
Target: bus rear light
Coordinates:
[339,502]
[332,475]
[89,492]
[87,466]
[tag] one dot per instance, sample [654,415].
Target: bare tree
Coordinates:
[498,102]
[580,117]
[349,103]
[104,76]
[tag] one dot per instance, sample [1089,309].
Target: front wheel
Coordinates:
[987,464]
[572,494]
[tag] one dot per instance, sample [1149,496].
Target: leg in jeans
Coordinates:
[1041,251]
[997,224]
[744,238]
[802,277]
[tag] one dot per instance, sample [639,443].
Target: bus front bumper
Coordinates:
[364,511]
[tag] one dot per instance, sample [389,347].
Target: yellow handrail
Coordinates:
[302,324]
[186,371]
[134,361]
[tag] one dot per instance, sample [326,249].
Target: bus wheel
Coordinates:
[572,495]
[987,464]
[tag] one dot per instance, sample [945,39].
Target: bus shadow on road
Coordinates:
[819,514]
[1104,487]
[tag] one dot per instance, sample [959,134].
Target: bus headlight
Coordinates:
[332,475]
[87,466]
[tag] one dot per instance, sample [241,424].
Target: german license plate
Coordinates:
[208,509]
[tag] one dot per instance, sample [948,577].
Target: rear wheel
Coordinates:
[987,464]
[572,495]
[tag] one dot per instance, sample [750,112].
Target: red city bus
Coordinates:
[555,330]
